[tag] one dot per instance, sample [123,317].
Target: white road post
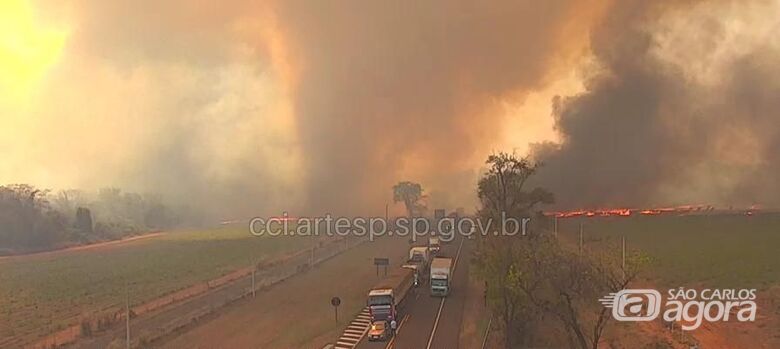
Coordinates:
[624,258]
[254,269]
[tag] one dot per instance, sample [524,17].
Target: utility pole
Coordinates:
[127,315]
[555,226]
[624,258]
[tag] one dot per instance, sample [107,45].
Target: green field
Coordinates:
[728,251]
[45,293]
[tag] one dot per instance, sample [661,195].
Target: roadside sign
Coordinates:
[335,301]
[383,262]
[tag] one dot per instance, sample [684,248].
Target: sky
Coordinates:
[245,108]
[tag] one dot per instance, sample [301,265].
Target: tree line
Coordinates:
[33,219]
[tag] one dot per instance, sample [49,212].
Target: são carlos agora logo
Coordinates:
[689,307]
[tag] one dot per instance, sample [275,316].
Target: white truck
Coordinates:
[434,245]
[420,255]
[419,259]
[441,276]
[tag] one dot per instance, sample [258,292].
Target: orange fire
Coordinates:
[625,212]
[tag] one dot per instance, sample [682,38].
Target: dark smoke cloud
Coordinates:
[681,107]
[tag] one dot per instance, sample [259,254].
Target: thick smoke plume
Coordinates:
[680,106]
[406,90]
[240,108]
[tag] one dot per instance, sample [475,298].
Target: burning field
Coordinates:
[656,211]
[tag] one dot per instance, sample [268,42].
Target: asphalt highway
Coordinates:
[432,322]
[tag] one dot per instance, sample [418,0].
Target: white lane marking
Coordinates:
[441,305]
[397,331]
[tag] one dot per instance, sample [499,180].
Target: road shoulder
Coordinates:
[475,314]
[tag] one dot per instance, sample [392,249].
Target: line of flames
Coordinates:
[625,212]
[607,212]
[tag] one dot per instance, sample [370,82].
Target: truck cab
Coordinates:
[434,245]
[387,297]
[381,304]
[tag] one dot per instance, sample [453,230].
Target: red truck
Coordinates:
[387,296]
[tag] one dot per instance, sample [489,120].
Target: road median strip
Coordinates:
[355,331]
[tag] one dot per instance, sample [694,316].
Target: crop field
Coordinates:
[726,251]
[41,294]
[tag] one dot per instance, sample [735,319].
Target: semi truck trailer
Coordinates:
[441,276]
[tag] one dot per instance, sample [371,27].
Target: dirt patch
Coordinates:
[763,333]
